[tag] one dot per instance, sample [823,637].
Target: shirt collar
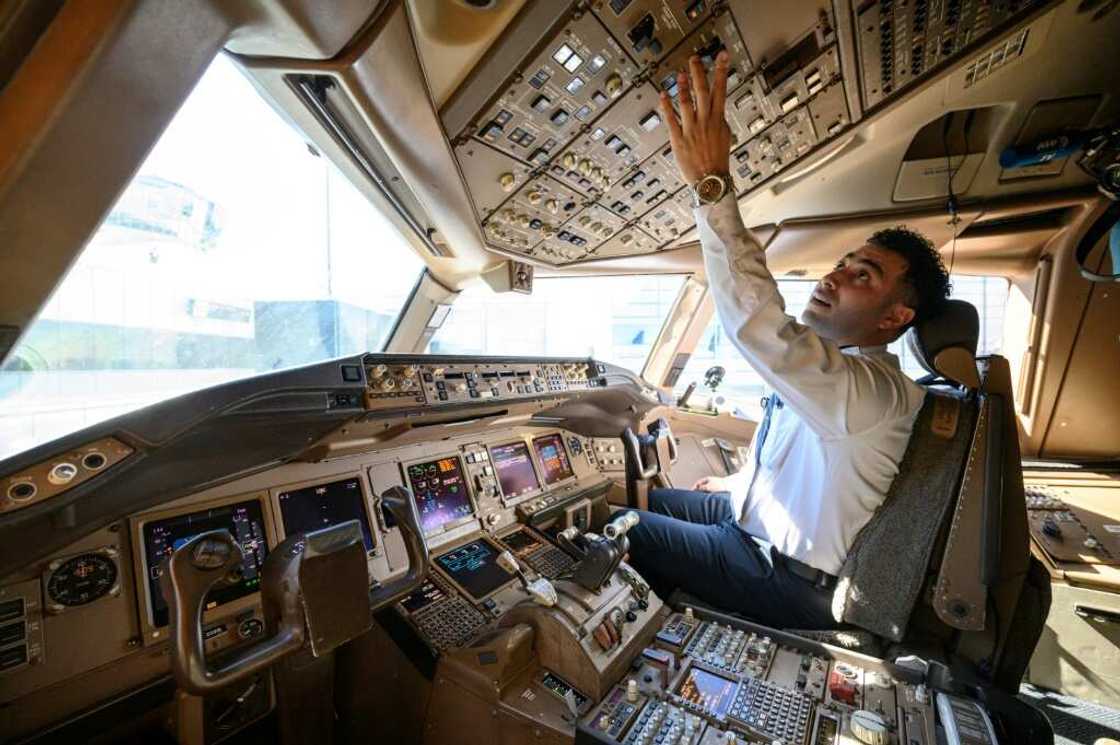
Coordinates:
[853,349]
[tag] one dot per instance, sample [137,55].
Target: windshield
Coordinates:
[237,249]
[614,319]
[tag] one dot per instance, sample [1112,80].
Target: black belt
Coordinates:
[819,579]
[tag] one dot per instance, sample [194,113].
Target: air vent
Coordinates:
[1050,219]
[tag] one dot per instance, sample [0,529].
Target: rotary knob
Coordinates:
[585,167]
[523,221]
[378,371]
[508,214]
[614,84]
[407,383]
[534,197]
[870,728]
[409,371]
[507,181]
[585,220]
[388,384]
[552,206]
[569,161]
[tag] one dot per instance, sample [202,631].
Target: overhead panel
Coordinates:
[901,42]
[577,128]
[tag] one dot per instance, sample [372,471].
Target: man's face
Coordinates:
[861,300]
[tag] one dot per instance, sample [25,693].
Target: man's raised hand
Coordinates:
[700,137]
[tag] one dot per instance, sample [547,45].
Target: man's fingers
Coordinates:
[670,117]
[699,88]
[719,83]
[684,101]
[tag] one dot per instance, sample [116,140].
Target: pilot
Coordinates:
[768,541]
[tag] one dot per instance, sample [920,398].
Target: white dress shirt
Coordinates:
[834,447]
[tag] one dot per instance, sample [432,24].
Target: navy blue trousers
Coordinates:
[690,540]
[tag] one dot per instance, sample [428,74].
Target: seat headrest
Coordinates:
[945,344]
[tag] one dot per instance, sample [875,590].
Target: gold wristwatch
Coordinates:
[711,189]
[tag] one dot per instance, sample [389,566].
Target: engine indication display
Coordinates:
[553,458]
[516,474]
[440,492]
[82,579]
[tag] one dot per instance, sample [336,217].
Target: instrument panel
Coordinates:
[568,160]
[465,488]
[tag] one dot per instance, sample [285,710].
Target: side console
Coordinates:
[709,680]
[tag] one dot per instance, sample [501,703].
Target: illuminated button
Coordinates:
[614,85]
[650,121]
[789,103]
[757,125]
[541,103]
[613,142]
[596,64]
[507,181]
[491,132]
[583,113]
[575,84]
[599,98]
[598,134]
[559,117]
[573,63]
[563,54]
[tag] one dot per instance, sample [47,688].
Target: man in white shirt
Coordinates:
[769,540]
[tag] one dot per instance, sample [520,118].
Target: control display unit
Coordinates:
[243,520]
[474,567]
[440,490]
[514,466]
[711,692]
[555,466]
[323,505]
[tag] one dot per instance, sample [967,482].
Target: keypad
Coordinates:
[776,712]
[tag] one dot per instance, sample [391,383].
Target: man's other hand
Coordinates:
[712,483]
[700,137]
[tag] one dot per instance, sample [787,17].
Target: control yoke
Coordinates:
[597,556]
[314,590]
[647,457]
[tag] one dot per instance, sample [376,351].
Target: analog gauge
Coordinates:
[81,579]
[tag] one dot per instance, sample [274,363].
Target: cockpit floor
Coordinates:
[1075,721]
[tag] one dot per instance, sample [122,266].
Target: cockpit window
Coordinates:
[614,319]
[742,387]
[235,250]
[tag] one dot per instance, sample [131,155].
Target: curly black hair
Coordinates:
[927,283]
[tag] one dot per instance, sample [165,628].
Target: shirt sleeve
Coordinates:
[811,374]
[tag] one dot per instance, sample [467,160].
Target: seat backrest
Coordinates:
[951,539]
[886,567]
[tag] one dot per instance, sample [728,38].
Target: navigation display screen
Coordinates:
[440,491]
[515,469]
[323,505]
[553,458]
[475,568]
[714,693]
[243,520]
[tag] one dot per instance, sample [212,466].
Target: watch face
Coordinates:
[710,189]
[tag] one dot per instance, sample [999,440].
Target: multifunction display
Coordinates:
[321,506]
[440,491]
[516,474]
[555,465]
[245,523]
[474,567]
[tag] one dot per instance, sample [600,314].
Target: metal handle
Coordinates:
[191,572]
[634,452]
[1100,615]
[402,507]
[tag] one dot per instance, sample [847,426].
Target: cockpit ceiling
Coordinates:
[561,146]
